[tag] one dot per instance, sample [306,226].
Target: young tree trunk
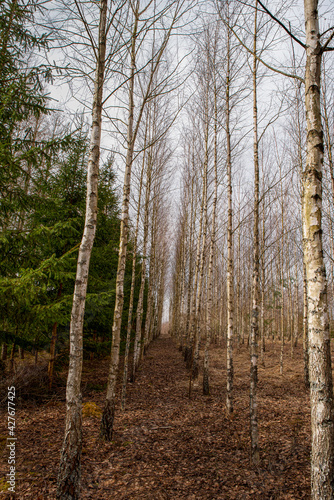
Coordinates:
[70,461]
[133,280]
[296,303]
[148,319]
[255,284]
[281,260]
[320,373]
[263,277]
[140,306]
[108,414]
[230,294]
[206,382]
[193,324]
[197,333]
[190,296]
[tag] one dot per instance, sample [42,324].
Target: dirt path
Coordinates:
[166,446]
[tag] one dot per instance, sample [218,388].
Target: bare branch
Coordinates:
[282,25]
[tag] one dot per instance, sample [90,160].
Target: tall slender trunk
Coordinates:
[282,280]
[230,294]
[140,305]
[193,325]
[255,284]
[190,273]
[160,291]
[197,334]
[296,304]
[132,292]
[206,382]
[320,373]
[148,319]
[108,414]
[70,460]
[263,277]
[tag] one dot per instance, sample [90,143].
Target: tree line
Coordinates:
[243,258]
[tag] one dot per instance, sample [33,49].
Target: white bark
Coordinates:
[321,390]
[255,284]
[109,408]
[230,280]
[70,461]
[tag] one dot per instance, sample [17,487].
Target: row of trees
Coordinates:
[263,255]
[54,189]
[145,78]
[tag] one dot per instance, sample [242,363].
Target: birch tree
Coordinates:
[320,375]
[255,284]
[320,372]
[70,461]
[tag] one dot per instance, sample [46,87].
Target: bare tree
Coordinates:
[320,372]
[255,285]
[70,461]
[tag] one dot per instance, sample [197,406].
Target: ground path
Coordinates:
[166,446]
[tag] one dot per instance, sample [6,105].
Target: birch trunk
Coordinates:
[107,421]
[70,461]
[206,382]
[281,260]
[230,298]
[132,291]
[148,319]
[263,277]
[161,291]
[255,282]
[190,353]
[190,273]
[195,358]
[296,319]
[321,390]
[140,306]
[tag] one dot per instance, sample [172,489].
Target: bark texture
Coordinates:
[70,460]
[320,374]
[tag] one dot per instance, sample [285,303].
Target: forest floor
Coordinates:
[167,446]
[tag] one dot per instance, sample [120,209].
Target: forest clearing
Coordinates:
[169,447]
